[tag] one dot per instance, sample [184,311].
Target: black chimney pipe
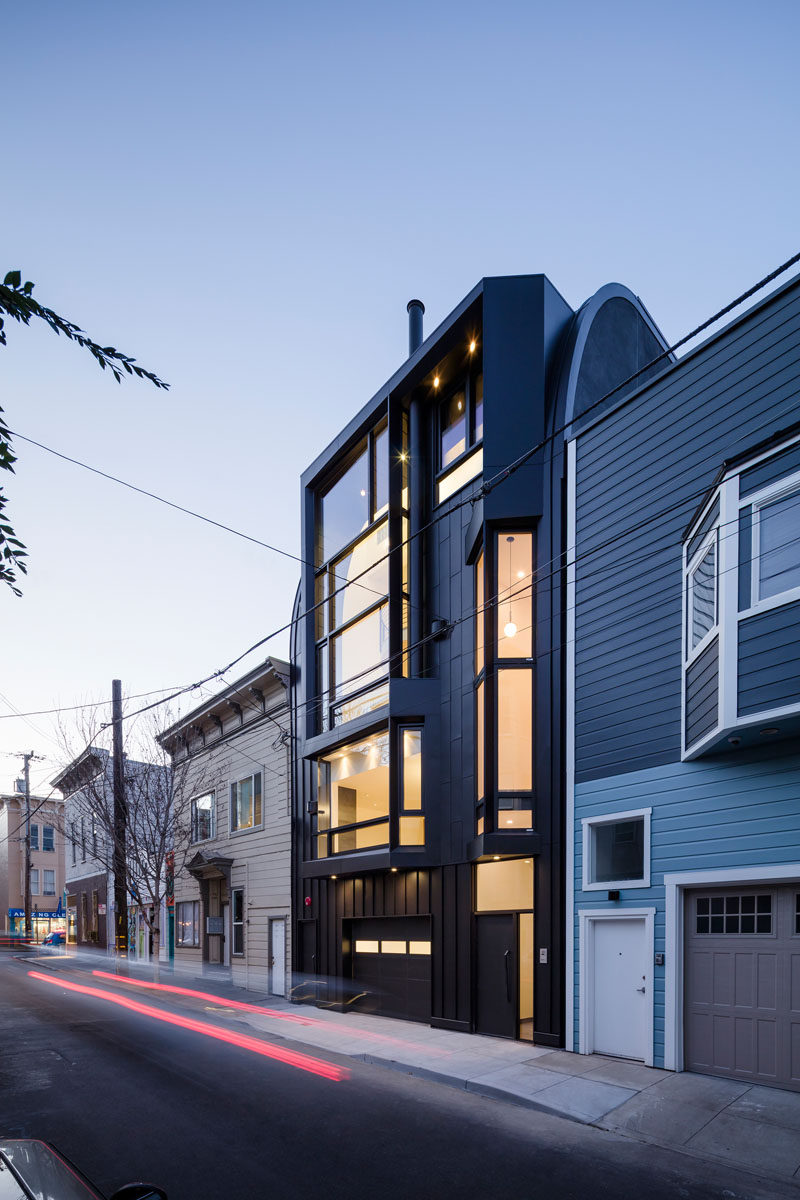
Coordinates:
[415,309]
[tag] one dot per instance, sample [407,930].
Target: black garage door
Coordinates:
[391,959]
[742,984]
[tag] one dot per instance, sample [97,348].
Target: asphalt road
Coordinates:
[127,1096]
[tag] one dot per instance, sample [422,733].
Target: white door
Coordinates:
[277,954]
[619,987]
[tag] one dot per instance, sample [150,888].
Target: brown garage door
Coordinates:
[742,984]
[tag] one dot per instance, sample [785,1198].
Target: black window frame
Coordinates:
[469,384]
[237,924]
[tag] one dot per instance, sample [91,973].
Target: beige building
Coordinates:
[47,864]
[232,889]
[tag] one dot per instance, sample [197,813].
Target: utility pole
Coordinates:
[120,825]
[26,758]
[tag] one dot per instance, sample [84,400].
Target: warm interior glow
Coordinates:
[436,381]
[515,595]
[505,885]
[466,470]
[419,947]
[514,730]
[393,947]
[510,629]
[412,831]
[472,346]
[363,946]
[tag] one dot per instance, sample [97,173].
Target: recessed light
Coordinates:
[496,858]
[334,877]
[394,870]
[768,732]
[436,381]
[472,346]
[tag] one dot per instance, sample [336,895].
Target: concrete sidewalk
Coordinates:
[756,1128]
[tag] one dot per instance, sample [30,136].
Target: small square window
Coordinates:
[617,851]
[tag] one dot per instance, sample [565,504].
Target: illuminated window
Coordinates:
[460,429]
[353,796]
[365,946]
[514,595]
[187,923]
[393,948]
[246,803]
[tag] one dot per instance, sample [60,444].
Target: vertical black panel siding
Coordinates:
[702,693]
[769,659]
[641,473]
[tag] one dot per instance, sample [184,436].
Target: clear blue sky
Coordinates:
[245,197]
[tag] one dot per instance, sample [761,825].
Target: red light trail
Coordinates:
[292,1058]
[221,1000]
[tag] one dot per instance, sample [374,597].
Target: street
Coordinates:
[128,1096]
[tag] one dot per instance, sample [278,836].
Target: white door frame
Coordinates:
[675,887]
[273,921]
[588,917]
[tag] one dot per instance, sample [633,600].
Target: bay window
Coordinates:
[353,797]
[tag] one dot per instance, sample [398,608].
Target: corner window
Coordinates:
[48,838]
[353,797]
[616,851]
[187,923]
[246,803]
[411,822]
[203,817]
[237,921]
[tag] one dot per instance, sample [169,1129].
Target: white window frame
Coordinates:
[776,491]
[213,834]
[48,871]
[49,849]
[195,925]
[244,829]
[35,881]
[690,567]
[614,885]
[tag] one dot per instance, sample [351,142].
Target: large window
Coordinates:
[352,586]
[203,817]
[246,803]
[353,797]
[187,923]
[411,821]
[504,646]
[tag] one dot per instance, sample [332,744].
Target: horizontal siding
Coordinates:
[769,659]
[641,473]
[738,810]
[702,693]
[771,471]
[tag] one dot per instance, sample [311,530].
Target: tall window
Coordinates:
[73,837]
[503,661]
[353,797]
[411,820]
[776,545]
[246,802]
[203,817]
[34,881]
[701,593]
[460,434]
[34,837]
[352,585]
[48,838]
[237,920]
[49,883]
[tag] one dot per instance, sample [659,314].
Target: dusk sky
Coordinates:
[245,197]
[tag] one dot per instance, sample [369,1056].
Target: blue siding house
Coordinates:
[683,708]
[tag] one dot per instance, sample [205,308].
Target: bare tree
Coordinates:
[157,825]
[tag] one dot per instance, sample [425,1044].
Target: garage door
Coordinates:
[742,984]
[392,964]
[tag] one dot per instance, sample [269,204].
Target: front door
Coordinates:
[277,955]
[620,987]
[497,975]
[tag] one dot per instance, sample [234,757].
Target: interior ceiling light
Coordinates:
[496,858]
[436,381]
[472,346]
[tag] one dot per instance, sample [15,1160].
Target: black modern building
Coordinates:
[428,652]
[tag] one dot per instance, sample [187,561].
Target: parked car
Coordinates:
[56,938]
[38,1169]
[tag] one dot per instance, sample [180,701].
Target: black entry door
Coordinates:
[497,975]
